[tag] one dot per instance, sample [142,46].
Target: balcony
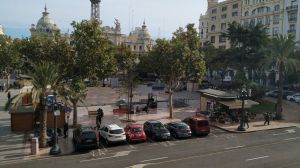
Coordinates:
[292,31]
[293,19]
[292,7]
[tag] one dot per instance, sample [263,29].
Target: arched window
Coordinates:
[277,8]
[213,28]
[246,13]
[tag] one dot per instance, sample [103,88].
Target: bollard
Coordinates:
[34,146]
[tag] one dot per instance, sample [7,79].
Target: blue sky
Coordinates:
[162,16]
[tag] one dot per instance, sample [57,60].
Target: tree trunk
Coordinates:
[74,103]
[280,93]
[171,102]
[43,127]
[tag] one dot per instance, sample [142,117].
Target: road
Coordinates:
[274,148]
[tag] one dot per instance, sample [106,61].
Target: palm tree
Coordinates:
[74,92]
[44,78]
[283,57]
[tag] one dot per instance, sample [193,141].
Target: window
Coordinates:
[261,10]
[223,16]
[223,26]
[267,21]
[141,48]
[276,19]
[214,11]
[212,39]
[275,31]
[222,39]
[134,47]
[277,8]
[268,9]
[292,17]
[253,12]
[252,22]
[246,13]
[224,8]
[246,23]
[213,28]
[259,20]
[292,27]
[213,18]
[234,14]
[234,6]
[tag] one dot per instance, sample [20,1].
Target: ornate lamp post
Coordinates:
[243,95]
[55,150]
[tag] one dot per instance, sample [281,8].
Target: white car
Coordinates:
[297,99]
[292,97]
[112,133]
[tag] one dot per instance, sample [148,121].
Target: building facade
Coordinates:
[216,21]
[1,30]
[45,25]
[279,17]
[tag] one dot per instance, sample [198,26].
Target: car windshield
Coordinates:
[88,135]
[136,130]
[202,123]
[157,126]
[182,127]
[116,131]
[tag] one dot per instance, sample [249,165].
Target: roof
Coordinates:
[113,126]
[153,121]
[237,104]
[217,94]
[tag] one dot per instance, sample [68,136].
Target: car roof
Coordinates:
[178,123]
[135,125]
[87,128]
[113,127]
[153,121]
[199,118]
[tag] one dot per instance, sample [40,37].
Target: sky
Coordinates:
[162,17]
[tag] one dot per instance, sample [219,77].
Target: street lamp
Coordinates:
[243,95]
[55,150]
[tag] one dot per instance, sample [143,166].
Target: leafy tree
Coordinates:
[283,57]
[9,57]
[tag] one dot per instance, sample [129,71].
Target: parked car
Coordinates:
[297,100]
[179,129]
[272,93]
[287,93]
[156,130]
[198,125]
[85,138]
[292,97]
[135,132]
[112,134]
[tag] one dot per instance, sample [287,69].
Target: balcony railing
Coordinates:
[292,31]
[292,7]
[293,19]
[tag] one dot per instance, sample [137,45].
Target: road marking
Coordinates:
[289,131]
[288,139]
[262,157]
[138,166]
[131,146]
[170,143]
[118,154]
[234,147]
[154,159]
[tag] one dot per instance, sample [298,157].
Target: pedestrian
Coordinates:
[98,121]
[8,95]
[246,120]
[66,130]
[267,119]
[100,113]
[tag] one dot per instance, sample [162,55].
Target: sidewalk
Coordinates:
[255,126]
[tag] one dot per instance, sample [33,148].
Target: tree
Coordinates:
[10,58]
[283,57]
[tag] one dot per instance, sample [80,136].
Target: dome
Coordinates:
[46,24]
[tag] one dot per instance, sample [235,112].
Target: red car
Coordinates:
[198,125]
[135,132]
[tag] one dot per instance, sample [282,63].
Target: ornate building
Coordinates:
[45,25]
[216,20]
[291,13]
[1,30]
[138,40]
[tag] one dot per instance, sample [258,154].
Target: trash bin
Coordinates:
[35,146]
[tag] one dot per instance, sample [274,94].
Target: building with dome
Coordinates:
[1,30]
[45,25]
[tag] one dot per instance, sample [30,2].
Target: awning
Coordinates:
[237,104]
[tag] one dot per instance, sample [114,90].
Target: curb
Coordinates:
[252,130]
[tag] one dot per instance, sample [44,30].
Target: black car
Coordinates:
[179,129]
[156,130]
[85,138]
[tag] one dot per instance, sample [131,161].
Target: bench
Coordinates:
[92,112]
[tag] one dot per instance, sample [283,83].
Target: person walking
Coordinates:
[246,120]
[66,130]
[267,118]
[99,117]
[8,95]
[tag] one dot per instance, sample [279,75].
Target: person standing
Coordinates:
[66,130]
[8,95]
[246,120]
[267,119]
[99,117]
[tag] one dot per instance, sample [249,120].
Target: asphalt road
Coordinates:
[274,148]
